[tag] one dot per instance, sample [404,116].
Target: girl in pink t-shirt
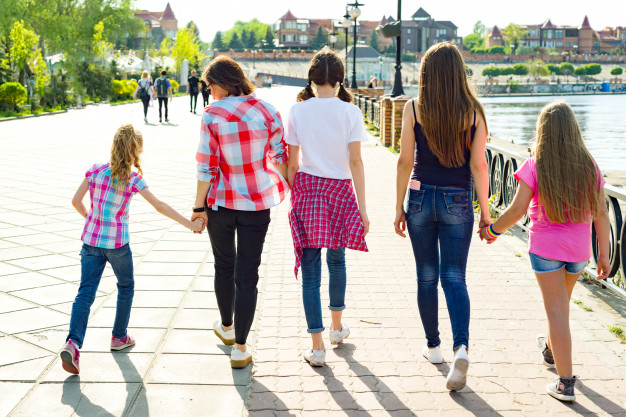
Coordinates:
[562,189]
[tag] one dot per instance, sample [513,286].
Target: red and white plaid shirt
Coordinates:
[324,214]
[241,141]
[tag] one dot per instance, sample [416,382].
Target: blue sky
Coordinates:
[211,16]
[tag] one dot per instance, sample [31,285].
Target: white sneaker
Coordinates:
[433,355]
[336,336]
[457,377]
[239,359]
[227,336]
[315,357]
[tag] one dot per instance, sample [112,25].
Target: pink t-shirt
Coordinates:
[567,242]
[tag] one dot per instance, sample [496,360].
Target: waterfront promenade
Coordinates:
[179,368]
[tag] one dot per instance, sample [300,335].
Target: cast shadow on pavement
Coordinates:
[257,398]
[604,403]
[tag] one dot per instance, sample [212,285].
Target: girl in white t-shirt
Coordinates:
[324,212]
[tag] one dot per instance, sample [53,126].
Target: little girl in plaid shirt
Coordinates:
[105,238]
[324,211]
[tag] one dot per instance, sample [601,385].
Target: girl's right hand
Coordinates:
[604,267]
[400,222]
[366,222]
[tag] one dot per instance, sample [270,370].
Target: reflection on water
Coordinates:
[601,118]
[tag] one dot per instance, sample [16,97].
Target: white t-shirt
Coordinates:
[323,128]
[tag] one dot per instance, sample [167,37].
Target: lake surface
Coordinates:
[602,119]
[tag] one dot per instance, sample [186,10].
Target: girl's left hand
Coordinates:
[366,222]
[485,236]
[604,267]
[400,222]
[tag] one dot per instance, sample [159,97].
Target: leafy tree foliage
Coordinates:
[235,43]
[261,30]
[520,69]
[192,26]
[186,47]
[479,29]
[593,69]
[491,71]
[217,43]
[373,40]
[269,36]
[252,40]
[617,71]
[319,40]
[473,40]
[514,34]
[23,44]
[580,71]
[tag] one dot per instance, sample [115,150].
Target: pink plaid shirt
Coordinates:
[241,139]
[106,225]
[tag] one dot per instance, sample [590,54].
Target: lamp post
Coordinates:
[346,22]
[397,89]
[355,12]
[333,37]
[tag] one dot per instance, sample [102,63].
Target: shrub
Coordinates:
[12,95]
[617,71]
[553,69]
[55,93]
[117,87]
[593,69]
[566,68]
[497,50]
[520,69]
[95,81]
[507,71]
[492,71]
[580,71]
[477,50]
[175,86]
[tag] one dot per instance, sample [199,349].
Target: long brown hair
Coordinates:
[447,103]
[567,175]
[227,73]
[326,68]
[125,152]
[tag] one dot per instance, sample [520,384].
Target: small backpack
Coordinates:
[161,85]
[143,91]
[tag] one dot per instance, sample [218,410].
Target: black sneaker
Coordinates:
[160,121]
[542,343]
[167,120]
[562,388]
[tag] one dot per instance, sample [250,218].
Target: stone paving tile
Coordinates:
[10,303]
[53,294]
[11,394]
[15,350]
[139,317]
[100,367]
[31,319]
[197,369]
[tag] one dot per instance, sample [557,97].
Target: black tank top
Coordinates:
[429,170]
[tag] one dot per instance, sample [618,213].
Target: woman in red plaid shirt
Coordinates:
[241,175]
[324,211]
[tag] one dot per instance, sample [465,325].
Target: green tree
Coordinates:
[479,29]
[491,71]
[252,40]
[42,78]
[593,69]
[100,45]
[552,68]
[186,47]
[23,45]
[617,71]
[520,69]
[319,40]
[514,34]
[245,38]
[254,25]
[373,40]
[536,68]
[191,25]
[269,36]
[566,69]
[473,40]
[235,43]
[496,50]
[580,71]
[164,50]
[217,43]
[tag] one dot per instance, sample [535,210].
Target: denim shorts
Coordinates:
[543,265]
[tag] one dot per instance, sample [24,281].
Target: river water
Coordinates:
[602,119]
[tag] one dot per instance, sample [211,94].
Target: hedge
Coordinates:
[13,93]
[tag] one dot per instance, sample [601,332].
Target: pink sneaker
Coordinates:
[69,358]
[123,343]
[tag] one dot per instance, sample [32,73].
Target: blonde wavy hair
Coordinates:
[125,152]
[567,175]
[447,102]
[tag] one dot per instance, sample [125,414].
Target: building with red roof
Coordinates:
[165,21]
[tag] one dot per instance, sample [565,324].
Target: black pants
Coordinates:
[237,269]
[193,101]
[146,101]
[205,100]
[162,101]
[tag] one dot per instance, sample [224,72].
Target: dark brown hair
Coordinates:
[326,68]
[447,103]
[226,73]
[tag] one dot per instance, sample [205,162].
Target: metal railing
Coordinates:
[370,107]
[503,163]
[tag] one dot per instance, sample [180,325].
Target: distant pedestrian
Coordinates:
[373,83]
[192,89]
[563,194]
[164,91]
[443,142]
[204,88]
[153,93]
[105,239]
[324,212]
[145,90]
[242,165]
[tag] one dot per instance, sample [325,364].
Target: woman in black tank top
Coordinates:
[442,156]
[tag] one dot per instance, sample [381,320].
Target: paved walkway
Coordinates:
[178,368]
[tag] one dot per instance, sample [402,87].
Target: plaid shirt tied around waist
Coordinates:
[241,141]
[324,214]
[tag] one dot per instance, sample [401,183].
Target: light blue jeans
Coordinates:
[92,261]
[311,264]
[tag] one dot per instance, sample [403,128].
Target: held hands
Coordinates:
[400,222]
[203,218]
[197,226]
[482,230]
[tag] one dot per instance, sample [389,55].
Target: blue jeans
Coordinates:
[311,264]
[543,265]
[92,261]
[440,222]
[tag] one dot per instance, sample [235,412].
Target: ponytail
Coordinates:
[306,93]
[343,94]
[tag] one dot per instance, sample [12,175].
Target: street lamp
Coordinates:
[355,12]
[397,89]
[346,22]
[333,37]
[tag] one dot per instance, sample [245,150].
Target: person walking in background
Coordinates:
[105,239]
[324,212]
[205,93]
[443,142]
[164,91]
[241,175]
[192,89]
[145,90]
[153,95]
[562,189]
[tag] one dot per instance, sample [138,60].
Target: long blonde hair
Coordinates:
[447,103]
[567,175]
[125,152]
